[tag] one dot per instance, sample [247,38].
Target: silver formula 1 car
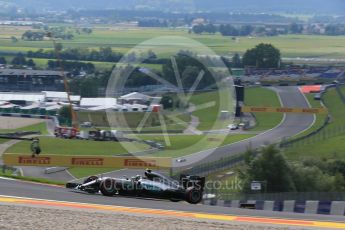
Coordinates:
[152,185]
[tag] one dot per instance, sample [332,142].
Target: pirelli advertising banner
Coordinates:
[251,109]
[87,161]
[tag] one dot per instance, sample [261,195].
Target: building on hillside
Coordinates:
[86,103]
[22,99]
[44,97]
[138,98]
[25,80]
[55,96]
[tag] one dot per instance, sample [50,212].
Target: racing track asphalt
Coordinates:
[292,124]
[48,192]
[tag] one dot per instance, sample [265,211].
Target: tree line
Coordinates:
[76,59]
[74,67]
[269,30]
[57,32]
[190,65]
[40,35]
[189,69]
[280,175]
[152,23]
[103,54]
[261,56]
[19,60]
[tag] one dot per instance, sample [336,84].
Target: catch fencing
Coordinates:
[322,133]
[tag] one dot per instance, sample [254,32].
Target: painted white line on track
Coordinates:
[7,178]
[314,115]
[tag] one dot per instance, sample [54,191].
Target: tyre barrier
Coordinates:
[307,207]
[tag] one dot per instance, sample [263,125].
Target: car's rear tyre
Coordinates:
[193,196]
[108,187]
[92,189]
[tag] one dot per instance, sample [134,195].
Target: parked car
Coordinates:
[233,126]
[180,160]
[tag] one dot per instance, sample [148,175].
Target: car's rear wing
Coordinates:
[193,181]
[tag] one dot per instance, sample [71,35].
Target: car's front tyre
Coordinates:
[108,187]
[193,195]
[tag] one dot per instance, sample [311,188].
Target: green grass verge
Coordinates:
[330,142]
[182,145]
[32,179]
[40,127]
[133,120]
[209,117]
[258,96]
[3,141]
[78,147]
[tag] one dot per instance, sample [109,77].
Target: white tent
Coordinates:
[94,102]
[29,97]
[100,108]
[33,106]
[54,107]
[60,96]
[135,96]
[8,106]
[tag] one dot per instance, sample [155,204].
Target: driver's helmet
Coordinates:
[136,178]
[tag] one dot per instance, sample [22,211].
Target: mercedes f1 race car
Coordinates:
[152,185]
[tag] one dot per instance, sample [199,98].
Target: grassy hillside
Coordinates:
[207,117]
[122,40]
[133,120]
[76,147]
[3,141]
[263,97]
[330,143]
[182,145]
[40,127]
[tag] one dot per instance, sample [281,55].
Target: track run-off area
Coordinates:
[14,193]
